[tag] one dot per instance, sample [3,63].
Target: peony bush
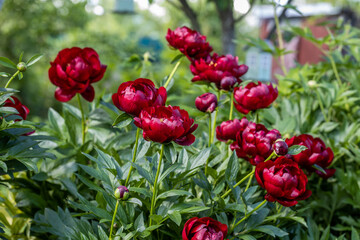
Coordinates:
[128,165]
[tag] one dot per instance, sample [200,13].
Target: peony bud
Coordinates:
[21,66]
[228,82]
[121,193]
[280,147]
[206,102]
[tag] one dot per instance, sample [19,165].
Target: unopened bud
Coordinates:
[121,193]
[21,66]
[280,147]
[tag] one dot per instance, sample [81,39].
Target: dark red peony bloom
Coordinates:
[204,228]
[191,43]
[316,153]
[224,71]
[206,102]
[255,143]
[73,71]
[254,96]
[229,129]
[283,180]
[15,103]
[165,124]
[134,96]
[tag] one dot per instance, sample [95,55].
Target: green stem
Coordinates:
[209,144]
[250,178]
[244,178]
[82,119]
[321,105]
[12,77]
[153,200]
[172,73]
[248,215]
[333,65]
[231,106]
[134,156]
[113,219]
[280,39]
[214,121]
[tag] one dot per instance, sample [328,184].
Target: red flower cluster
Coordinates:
[165,124]
[14,102]
[223,71]
[206,102]
[316,153]
[283,180]
[255,143]
[73,71]
[254,96]
[134,96]
[204,229]
[229,129]
[191,43]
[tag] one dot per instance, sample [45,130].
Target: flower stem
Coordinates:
[153,200]
[82,119]
[280,39]
[134,156]
[214,122]
[113,219]
[172,73]
[321,105]
[250,178]
[209,144]
[248,215]
[244,178]
[12,77]
[231,106]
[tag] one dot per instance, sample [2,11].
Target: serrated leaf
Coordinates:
[296,149]
[7,63]
[34,59]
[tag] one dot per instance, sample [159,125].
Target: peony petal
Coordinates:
[89,94]
[63,95]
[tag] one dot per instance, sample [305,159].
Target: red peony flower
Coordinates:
[206,102]
[204,228]
[255,143]
[133,96]
[224,71]
[165,124]
[229,129]
[253,97]
[316,153]
[283,180]
[191,43]
[15,103]
[73,71]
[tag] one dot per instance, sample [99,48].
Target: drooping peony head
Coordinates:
[316,153]
[204,228]
[73,71]
[165,124]
[254,96]
[14,102]
[283,180]
[223,71]
[191,43]
[134,96]
[206,102]
[255,143]
[229,129]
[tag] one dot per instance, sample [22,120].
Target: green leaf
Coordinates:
[102,233]
[34,59]
[232,168]
[326,233]
[139,223]
[177,58]
[20,75]
[200,158]
[7,63]
[170,152]
[354,234]
[135,201]
[4,74]
[296,149]
[195,209]
[175,216]
[122,120]
[317,167]
[247,237]
[3,166]
[174,192]
[21,56]
[271,230]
